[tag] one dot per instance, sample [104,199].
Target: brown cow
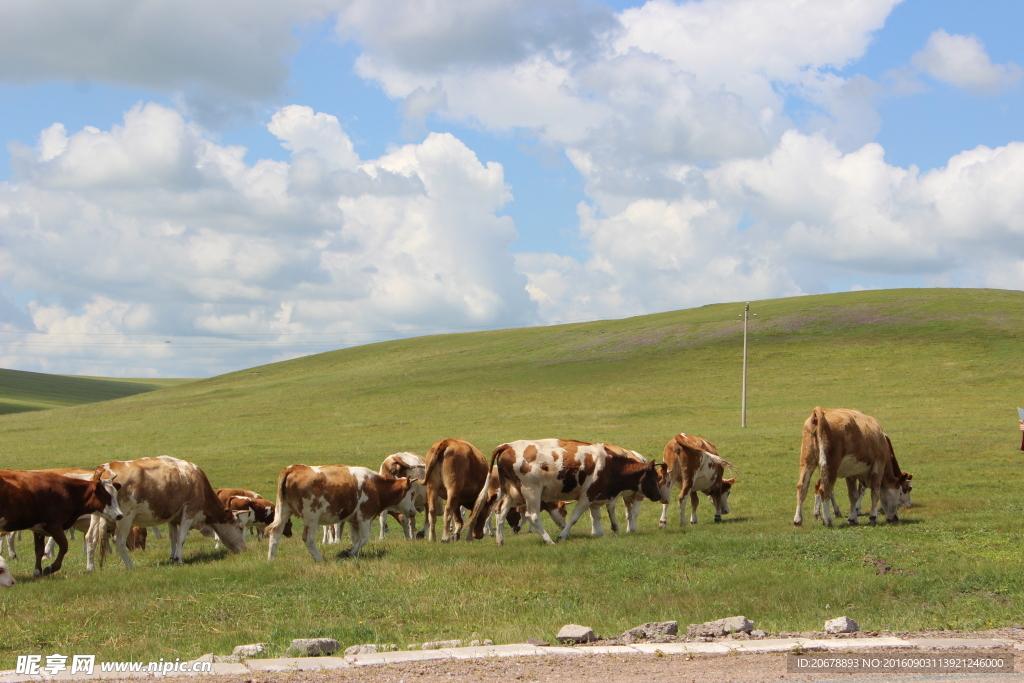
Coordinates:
[455,471]
[330,494]
[848,444]
[49,503]
[855,487]
[253,510]
[411,466]
[694,465]
[164,490]
[556,469]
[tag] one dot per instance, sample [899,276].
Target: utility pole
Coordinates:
[743,401]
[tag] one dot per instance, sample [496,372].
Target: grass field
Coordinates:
[26,391]
[942,371]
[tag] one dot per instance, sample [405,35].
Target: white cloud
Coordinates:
[153,228]
[962,61]
[231,47]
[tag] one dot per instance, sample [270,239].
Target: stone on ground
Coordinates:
[654,629]
[441,644]
[312,647]
[841,625]
[721,627]
[251,650]
[574,633]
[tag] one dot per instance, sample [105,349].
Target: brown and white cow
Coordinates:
[410,466]
[49,503]
[332,494]
[848,444]
[164,490]
[557,469]
[856,487]
[694,465]
[250,508]
[455,471]
[6,580]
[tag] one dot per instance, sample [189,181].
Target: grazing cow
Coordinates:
[6,580]
[164,490]
[455,471]
[49,503]
[556,469]
[848,444]
[694,464]
[411,466]
[330,494]
[136,538]
[253,510]
[903,501]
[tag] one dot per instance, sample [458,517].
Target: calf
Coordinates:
[49,503]
[411,466]
[332,494]
[848,444]
[557,469]
[455,471]
[253,510]
[694,464]
[164,490]
[6,580]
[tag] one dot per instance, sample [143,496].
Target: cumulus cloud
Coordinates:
[153,228]
[962,61]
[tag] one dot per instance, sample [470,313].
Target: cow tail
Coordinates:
[821,437]
[434,458]
[481,499]
[282,513]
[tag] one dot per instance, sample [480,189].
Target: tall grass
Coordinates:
[940,369]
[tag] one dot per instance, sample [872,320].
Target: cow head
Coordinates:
[723,497]
[230,531]
[6,580]
[905,488]
[106,492]
[655,483]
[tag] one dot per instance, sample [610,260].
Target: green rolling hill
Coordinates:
[27,391]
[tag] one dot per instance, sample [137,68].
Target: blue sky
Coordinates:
[256,182]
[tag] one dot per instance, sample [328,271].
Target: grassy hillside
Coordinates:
[27,391]
[941,370]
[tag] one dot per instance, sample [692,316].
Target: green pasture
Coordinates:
[26,391]
[942,370]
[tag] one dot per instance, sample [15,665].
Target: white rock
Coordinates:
[841,625]
[722,627]
[441,644]
[312,647]
[251,650]
[574,633]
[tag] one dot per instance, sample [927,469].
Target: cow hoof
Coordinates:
[47,570]
[853,521]
[798,522]
[872,521]
[718,518]
[36,573]
[662,525]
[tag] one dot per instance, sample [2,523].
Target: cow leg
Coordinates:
[532,503]
[694,502]
[57,534]
[452,516]
[309,538]
[409,526]
[633,513]
[595,521]
[276,531]
[9,538]
[383,524]
[178,534]
[121,531]
[852,490]
[557,517]
[433,503]
[802,484]
[48,550]
[582,505]
[684,492]
[499,523]
[40,545]
[360,532]
[612,520]
[663,522]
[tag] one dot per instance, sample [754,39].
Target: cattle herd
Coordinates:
[522,480]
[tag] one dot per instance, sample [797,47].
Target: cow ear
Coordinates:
[730,482]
